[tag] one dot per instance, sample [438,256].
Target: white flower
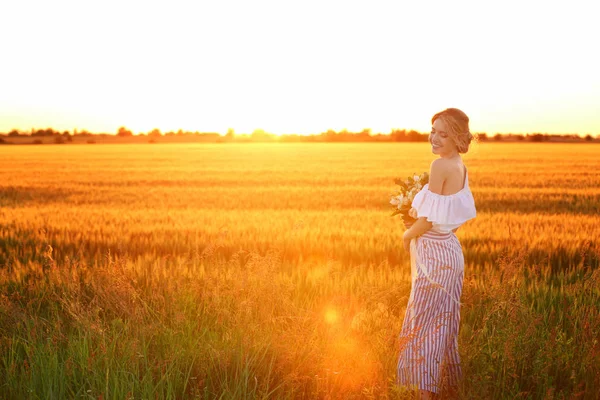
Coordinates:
[397,200]
[416,178]
[405,201]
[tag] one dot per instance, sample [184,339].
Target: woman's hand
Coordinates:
[413,212]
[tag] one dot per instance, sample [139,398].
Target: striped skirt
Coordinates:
[428,342]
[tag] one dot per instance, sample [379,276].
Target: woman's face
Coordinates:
[441,143]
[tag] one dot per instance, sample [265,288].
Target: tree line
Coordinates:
[259,135]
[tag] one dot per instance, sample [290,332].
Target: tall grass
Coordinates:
[274,271]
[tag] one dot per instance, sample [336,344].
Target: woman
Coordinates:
[428,341]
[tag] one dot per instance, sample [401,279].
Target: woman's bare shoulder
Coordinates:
[442,171]
[438,171]
[441,167]
[447,166]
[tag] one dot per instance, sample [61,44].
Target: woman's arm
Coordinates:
[437,176]
[420,226]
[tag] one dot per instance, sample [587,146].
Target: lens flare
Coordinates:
[331,316]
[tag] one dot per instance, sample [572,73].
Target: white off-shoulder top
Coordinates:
[446,212]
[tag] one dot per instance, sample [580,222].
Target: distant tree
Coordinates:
[414,136]
[329,136]
[154,133]
[536,137]
[230,135]
[497,137]
[380,137]
[14,132]
[588,137]
[343,136]
[398,135]
[482,136]
[123,132]
[67,136]
[44,132]
[364,135]
[260,135]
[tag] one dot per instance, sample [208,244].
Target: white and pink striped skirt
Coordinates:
[429,339]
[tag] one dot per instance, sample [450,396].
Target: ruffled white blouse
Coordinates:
[446,212]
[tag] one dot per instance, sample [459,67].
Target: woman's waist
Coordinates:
[434,234]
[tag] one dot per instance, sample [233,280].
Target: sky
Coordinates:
[298,66]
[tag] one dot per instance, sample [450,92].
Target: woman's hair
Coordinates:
[457,124]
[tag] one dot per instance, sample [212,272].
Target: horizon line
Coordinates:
[259,131]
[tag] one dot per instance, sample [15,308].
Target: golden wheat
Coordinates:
[259,270]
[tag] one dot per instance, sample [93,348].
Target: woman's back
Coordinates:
[454,175]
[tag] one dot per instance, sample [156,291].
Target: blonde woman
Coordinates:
[428,341]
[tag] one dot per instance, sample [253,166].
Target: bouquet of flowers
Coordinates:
[405,193]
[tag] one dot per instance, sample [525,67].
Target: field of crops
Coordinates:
[276,271]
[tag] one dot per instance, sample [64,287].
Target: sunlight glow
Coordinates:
[331,316]
[298,68]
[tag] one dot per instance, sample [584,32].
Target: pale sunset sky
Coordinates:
[299,66]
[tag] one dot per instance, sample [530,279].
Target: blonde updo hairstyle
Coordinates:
[457,124]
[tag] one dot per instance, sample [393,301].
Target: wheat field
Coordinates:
[275,271]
